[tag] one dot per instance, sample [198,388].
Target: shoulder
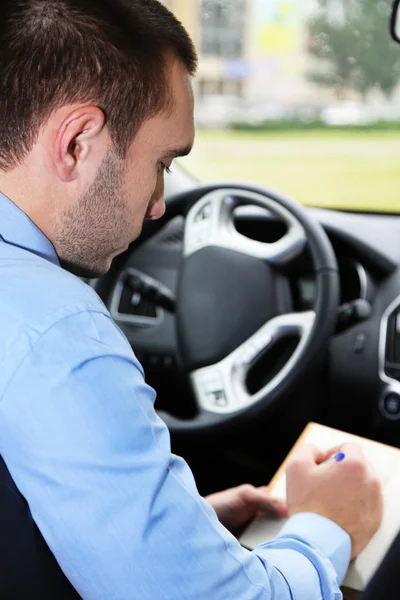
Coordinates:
[35,293]
[52,315]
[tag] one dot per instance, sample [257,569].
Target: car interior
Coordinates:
[306,312]
[254,314]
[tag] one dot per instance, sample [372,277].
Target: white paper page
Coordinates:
[365,565]
[385,461]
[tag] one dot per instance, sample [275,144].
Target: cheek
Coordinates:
[139,192]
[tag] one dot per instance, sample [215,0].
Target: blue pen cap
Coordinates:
[339,456]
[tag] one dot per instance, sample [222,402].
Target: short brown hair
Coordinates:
[109,52]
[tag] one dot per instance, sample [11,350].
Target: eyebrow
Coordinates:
[177,152]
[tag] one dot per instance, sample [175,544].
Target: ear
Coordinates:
[80,136]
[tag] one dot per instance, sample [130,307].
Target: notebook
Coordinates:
[386,462]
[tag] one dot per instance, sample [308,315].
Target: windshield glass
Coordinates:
[300,95]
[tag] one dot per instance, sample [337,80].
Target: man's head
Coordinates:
[96,101]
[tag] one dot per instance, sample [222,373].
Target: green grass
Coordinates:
[336,169]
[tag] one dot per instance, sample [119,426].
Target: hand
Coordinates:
[348,493]
[236,507]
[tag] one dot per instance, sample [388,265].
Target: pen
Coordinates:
[338,457]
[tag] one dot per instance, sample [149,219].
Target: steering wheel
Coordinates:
[232,306]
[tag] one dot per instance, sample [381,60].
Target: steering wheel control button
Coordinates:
[204,214]
[212,390]
[199,227]
[218,398]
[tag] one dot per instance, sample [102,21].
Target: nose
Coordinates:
[157,206]
[158,209]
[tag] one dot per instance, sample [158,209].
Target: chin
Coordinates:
[86,271]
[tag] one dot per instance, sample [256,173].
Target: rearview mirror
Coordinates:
[395,21]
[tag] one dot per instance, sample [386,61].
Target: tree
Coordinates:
[351,40]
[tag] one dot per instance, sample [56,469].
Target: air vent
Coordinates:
[131,302]
[392,349]
[134,304]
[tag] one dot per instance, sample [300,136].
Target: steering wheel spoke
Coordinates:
[221,388]
[211,223]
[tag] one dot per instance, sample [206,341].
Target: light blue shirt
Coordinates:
[83,443]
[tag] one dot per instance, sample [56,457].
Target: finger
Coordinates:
[259,501]
[350,449]
[305,457]
[277,507]
[331,452]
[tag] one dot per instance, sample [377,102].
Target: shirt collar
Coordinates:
[17,229]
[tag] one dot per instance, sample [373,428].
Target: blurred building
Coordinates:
[253,56]
[254,59]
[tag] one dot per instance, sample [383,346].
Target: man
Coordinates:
[96,102]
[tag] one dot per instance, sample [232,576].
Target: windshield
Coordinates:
[300,95]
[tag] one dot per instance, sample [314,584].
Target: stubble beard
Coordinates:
[90,232]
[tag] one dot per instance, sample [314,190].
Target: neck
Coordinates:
[27,192]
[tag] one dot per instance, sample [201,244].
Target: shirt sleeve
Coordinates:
[121,514]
